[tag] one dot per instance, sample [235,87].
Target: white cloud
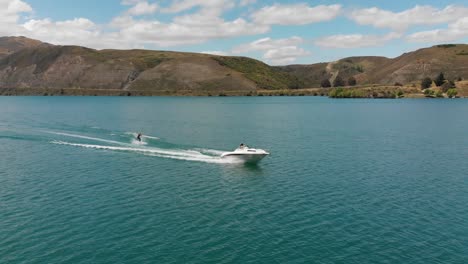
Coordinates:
[127,31]
[185,30]
[284,55]
[265,44]
[15,6]
[419,15]
[206,23]
[279,51]
[355,40]
[183,5]
[216,52]
[296,14]
[10,13]
[142,8]
[455,31]
[79,31]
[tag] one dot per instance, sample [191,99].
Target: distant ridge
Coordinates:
[451,59]
[32,64]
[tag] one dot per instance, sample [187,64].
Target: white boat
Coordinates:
[246,154]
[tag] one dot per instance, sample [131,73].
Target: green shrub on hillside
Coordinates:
[429,93]
[452,93]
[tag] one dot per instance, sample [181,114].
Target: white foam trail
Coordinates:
[203,158]
[212,151]
[189,155]
[136,142]
[85,137]
[151,137]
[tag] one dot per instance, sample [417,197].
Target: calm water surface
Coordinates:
[348,181]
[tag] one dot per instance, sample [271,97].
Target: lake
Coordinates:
[347,181]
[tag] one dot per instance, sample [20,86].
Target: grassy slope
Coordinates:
[266,77]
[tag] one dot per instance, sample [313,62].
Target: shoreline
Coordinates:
[369,92]
[119,92]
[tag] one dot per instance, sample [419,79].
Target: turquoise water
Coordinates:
[348,181]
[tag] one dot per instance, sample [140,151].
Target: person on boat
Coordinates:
[242,146]
[139,137]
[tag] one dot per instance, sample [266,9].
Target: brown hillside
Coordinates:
[57,67]
[452,60]
[31,64]
[410,67]
[9,45]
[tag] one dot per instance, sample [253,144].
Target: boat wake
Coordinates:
[142,148]
[211,151]
[85,137]
[189,155]
[178,154]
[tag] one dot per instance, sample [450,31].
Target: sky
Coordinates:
[277,32]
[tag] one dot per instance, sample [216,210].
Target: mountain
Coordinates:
[61,67]
[410,67]
[31,64]
[450,59]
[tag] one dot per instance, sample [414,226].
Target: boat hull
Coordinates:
[245,157]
